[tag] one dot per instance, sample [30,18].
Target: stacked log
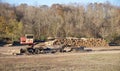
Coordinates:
[88,42]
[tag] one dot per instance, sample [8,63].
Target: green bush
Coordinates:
[43,38]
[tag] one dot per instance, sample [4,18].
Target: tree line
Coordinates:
[96,20]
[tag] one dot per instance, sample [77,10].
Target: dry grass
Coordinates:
[62,62]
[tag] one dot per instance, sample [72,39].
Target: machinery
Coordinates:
[44,47]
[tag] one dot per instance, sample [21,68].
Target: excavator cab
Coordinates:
[27,39]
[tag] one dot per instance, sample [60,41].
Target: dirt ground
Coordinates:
[81,61]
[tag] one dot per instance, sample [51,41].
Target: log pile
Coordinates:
[88,42]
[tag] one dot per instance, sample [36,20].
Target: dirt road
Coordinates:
[85,61]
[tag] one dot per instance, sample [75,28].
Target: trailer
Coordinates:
[46,47]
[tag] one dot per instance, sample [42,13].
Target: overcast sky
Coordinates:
[50,2]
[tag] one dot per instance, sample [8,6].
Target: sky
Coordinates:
[50,2]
